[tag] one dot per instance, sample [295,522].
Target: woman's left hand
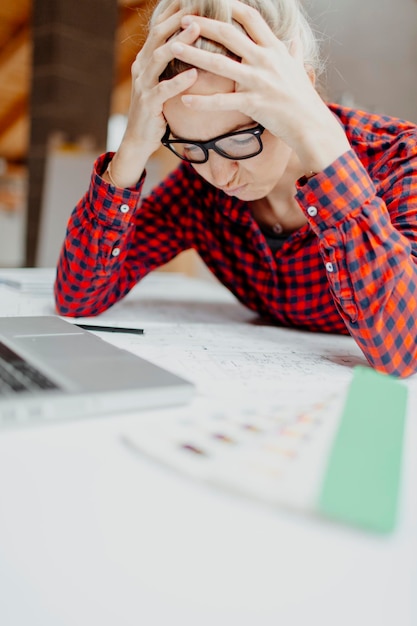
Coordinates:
[272,85]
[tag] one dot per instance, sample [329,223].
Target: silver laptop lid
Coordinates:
[88,375]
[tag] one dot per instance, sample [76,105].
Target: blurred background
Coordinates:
[65,88]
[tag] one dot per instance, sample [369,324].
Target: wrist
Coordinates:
[108,176]
[320,143]
[303,180]
[125,169]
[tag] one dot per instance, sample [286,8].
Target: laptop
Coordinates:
[50,370]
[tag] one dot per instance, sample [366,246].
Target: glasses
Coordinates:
[241,144]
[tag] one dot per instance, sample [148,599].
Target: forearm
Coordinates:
[126,168]
[89,277]
[112,242]
[318,139]
[371,270]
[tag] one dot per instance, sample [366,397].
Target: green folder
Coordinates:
[362,481]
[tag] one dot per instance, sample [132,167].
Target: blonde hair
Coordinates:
[286,19]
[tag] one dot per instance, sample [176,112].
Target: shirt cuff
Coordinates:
[110,205]
[336,193]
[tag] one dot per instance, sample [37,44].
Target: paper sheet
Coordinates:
[202,333]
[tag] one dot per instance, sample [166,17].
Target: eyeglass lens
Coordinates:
[235,146]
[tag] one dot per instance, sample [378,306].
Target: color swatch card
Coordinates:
[335,453]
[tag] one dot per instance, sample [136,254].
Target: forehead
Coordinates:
[203,125]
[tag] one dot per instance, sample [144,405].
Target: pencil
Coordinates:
[111,329]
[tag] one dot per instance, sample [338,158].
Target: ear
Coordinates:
[295,48]
[310,73]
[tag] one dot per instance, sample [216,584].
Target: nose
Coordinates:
[220,170]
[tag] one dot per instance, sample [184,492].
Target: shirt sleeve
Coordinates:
[368,244]
[110,244]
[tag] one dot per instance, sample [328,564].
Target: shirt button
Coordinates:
[115,252]
[329,267]
[124,208]
[312,211]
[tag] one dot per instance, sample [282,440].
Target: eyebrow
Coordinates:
[232,130]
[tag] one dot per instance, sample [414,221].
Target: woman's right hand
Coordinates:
[146,123]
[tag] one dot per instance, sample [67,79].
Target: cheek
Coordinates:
[274,148]
[202,170]
[275,155]
[246,169]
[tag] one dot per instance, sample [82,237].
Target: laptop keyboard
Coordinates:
[17,375]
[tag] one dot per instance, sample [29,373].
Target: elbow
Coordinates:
[63,306]
[66,311]
[67,306]
[400,367]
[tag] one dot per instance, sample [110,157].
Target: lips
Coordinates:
[234,191]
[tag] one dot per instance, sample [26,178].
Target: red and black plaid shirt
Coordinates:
[350,269]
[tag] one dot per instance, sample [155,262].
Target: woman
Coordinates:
[307,212]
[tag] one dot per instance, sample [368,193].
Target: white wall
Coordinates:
[372,50]
[67,175]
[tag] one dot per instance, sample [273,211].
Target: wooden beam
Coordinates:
[14,141]
[15,60]
[130,37]
[9,118]
[15,66]
[13,13]
[71,88]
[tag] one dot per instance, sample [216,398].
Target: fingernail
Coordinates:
[186,20]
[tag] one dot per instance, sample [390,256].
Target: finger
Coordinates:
[225,34]
[254,26]
[209,61]
[253,23]
[163,55]
[150,64]
[187,36]
[234,101]
[172,8]
[163,30]
[170,88]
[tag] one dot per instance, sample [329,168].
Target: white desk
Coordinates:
[91,534]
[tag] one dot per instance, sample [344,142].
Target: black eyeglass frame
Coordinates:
[205,146]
